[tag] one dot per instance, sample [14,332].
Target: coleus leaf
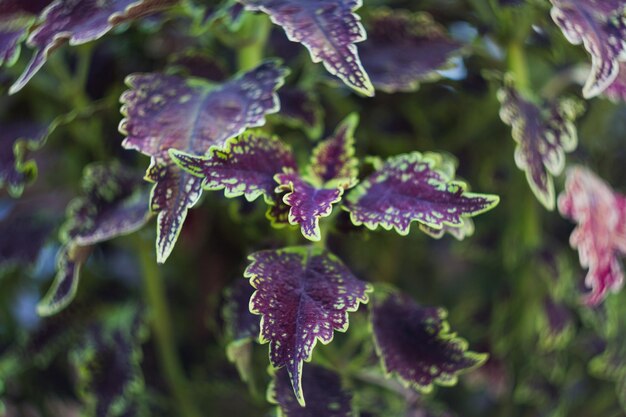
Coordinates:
[557,326]
[241,326]
[329,29]
[333,169]
[301,108]
[326,396]
[245,167]
[16,17]
[114,203]
[600,27]
[303,295]
[108,363]
[414,187]
[404,48]
[16,139]
[307,203]
[79,22]
[415,343]
[543,133]
[191,115]
[600,236]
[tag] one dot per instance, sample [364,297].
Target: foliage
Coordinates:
[342,138]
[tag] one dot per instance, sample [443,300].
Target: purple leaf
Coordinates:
[600,236]
[616,91]
[79,22]
[16,18]
[308,203]
[241,326]
[16,139]
[326,396]
[414,187]
[169,112]
[415,343]
[301,108]
[543,133]
[404,49]
[600,27]
[303,294]
[333,160]
[329,29]
[278,212]
[108,363]
[557,326]
[114,203]
[246,166]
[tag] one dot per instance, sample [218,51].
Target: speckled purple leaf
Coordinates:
[241,326]
[16,17]
[459,233]
[114,203]
[308,202]
[329,29]
[301,108]
[168,112]
[325,395]
[404,48]
[543,134]
[79,22]
[415,343]
[245,167]
[303,295]
[414,187]
[278,212]
[333,160]
[600,26]
[16,139]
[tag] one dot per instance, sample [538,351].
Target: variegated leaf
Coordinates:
[191,115]
[303,294]
[329,29]
[543,133]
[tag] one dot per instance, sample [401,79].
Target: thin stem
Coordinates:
[517,65]
[162,327]
[256,28]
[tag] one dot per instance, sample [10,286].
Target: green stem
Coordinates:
[517,65]
[162,327]
[255,28]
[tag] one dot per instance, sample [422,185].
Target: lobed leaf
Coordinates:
[326,395]
[329,29]
[114,203]
[600,236]
[303,294]
[16,139]
[307,203]
[245,167]
[333,159]
[415,187]
[193,116]
[79,22]
[404,49]
[543,133]
[415,343]
[600,26]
